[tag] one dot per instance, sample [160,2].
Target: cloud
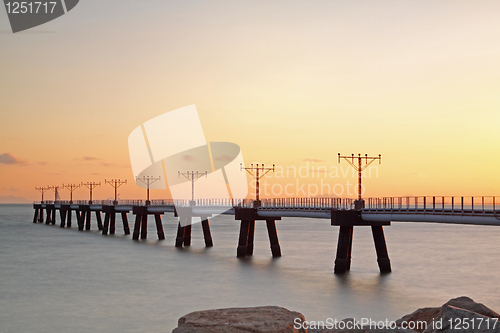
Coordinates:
[312,160]
[224,158]
[10,189]
[188,158]
[8,158]
[91,158]
[106,164]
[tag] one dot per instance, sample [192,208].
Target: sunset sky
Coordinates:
[291,82]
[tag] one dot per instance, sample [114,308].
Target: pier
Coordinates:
[375,213]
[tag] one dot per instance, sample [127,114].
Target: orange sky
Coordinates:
[288,81]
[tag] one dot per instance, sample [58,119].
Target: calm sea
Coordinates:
[63,280]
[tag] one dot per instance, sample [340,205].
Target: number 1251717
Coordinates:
[30,7]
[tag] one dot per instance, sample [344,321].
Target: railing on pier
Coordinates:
[277,203]
[308,203]
[442,205]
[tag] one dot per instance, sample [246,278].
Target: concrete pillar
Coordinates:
[106,223]
[126,229]
[137,227]
[40,218]
[250,239]
[342,263]
[273,238]
[88,217]
[384,263]
[63,213]
[81,220]
[206,232]
[68,220]
[35,217]
[159,227]
[187,233]
[180,235]
[99,220]
[49,212]
[112,223]
[144,226]
[241,251]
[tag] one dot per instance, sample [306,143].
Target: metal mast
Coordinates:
[115,183]
[91,186]
[148,180]
[42,190]
[192,176]
[56,191]
[360,168]
[71,188]
[260,171]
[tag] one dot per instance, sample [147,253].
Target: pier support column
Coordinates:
[99,220]
[63,211]
[241,251]
[144,226]
[159,227]
[137,227]
[187,233]
[106,223]
[206,232]
[126,229]
[78,214]
[68,218]
[273,238]
[40,217]
[179,240]
[251,237]
[248,216]
[81,219]
[35,217]
[141,222]
[384,263]
[49,213]
[343,260]
[112,223]
[350,250]
[53,216]
[88,219]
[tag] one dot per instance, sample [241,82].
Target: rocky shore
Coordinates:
[460,314]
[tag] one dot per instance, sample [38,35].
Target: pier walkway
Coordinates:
[342,212]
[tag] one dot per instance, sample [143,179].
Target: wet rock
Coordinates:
[239,320]
[460,314]
[421,315]
[453,319]
[467,303]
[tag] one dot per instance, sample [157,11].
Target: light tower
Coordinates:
[260,171]
[42,190]
[115,183]
[359,204]
[91,186]
[71,188]
[148,180]
[56,192]
[192,177]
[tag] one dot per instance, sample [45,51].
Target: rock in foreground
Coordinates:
[460,314]
[262,319]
